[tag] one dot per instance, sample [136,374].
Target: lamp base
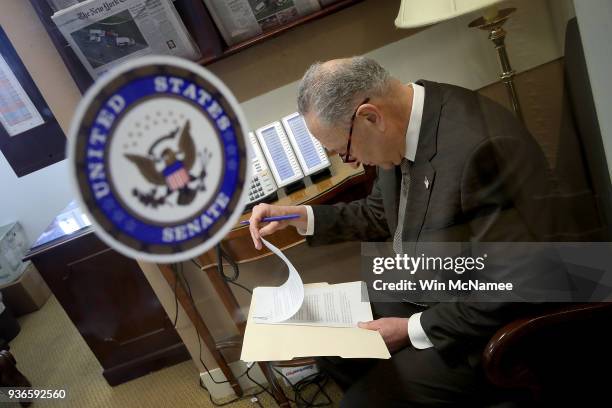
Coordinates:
[494,25]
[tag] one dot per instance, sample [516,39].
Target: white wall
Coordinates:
[595,24]
[561,11]
[34,200]
[448,52]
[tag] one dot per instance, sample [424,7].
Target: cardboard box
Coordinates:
[26,294]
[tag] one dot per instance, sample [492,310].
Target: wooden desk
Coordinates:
[109,301]
[345,184]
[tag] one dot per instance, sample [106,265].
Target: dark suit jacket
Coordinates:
[488,181]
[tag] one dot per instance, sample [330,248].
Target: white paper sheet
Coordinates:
[275,304]
[337,305]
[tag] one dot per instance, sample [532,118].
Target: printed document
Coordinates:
[275,304]
[337,305]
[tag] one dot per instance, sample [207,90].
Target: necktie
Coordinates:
[397,237]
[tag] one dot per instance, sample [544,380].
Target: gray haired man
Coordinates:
[452,166]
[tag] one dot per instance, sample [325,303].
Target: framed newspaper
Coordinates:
[106,33]
[240,20]
[192,13]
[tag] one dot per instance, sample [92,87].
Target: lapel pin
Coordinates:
[426,183]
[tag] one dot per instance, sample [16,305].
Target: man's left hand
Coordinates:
[394,331]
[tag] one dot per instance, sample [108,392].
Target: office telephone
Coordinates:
[262,188]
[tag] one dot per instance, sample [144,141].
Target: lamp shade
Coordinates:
[418,13]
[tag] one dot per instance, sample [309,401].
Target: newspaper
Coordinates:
[104,33]
[62,4]
[239,20]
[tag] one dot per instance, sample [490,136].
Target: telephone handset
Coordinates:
[262,188]
[309,151]
[279,154]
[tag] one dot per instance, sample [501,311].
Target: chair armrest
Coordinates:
[507,358]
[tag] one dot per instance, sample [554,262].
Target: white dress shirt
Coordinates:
[417,335]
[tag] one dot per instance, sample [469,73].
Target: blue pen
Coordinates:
[277,218]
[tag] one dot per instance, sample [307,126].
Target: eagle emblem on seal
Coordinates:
[171,171]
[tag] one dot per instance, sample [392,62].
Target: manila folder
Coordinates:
[280,342]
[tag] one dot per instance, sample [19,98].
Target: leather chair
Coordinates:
[555,355]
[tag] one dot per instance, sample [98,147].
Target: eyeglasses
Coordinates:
[346,157]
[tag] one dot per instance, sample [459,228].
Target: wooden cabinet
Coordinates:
[112,305]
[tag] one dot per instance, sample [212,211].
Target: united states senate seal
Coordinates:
[159,159]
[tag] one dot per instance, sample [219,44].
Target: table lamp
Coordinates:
[418,13]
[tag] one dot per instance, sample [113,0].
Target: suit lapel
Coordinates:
[422,178]
[422,172]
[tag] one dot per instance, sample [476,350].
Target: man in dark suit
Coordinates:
[452,166]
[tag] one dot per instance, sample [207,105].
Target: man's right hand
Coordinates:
[261,211]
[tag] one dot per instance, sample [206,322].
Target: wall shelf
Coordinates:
[331,9]
[198,22]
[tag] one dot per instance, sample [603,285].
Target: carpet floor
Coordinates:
[52,354]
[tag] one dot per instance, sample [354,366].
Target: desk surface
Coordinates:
[69,224]
[72,223]
[315,193]
[238,244]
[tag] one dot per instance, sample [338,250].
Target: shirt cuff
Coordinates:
[417,335]
[309,222]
